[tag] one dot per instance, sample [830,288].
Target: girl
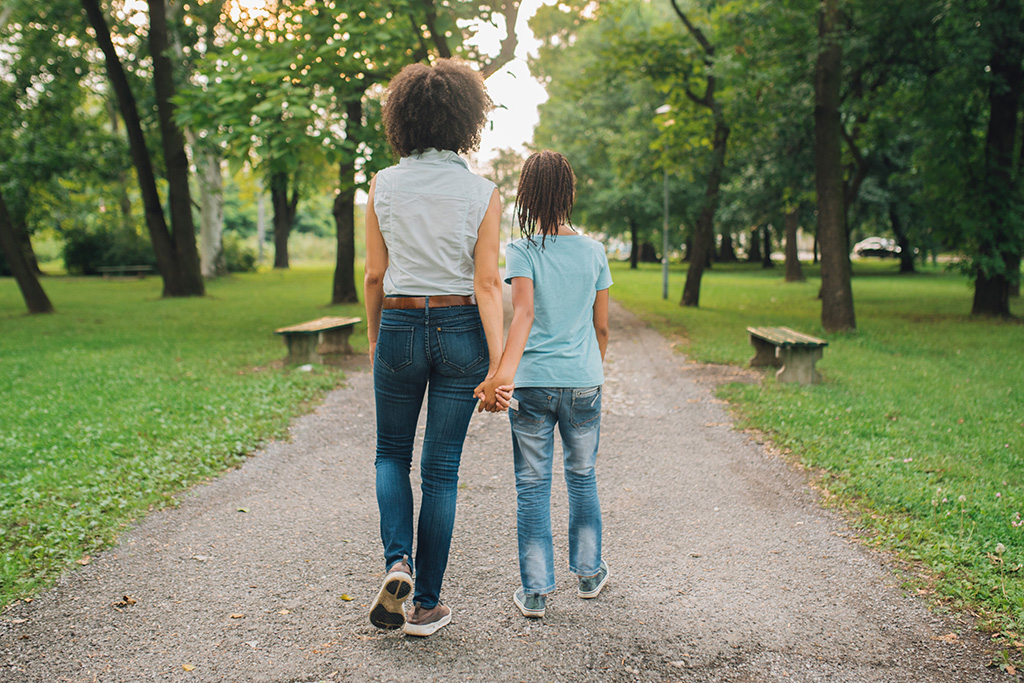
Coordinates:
[559,332]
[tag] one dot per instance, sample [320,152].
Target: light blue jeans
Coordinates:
[577,414]
[442,354]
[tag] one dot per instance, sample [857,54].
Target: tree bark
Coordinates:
[836,289]
[754,252]
[998,247]
[344,290]
[156,223]
[766,260]
[906,253]
[727,253]
[704,233]
[284,216]
[31,290]
[794,271]
[175,159]
[211,215]
[634,249]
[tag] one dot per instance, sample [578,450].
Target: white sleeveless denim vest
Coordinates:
[430,207]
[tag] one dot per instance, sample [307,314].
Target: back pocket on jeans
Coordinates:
[462,348]
[585,411]
[394,347]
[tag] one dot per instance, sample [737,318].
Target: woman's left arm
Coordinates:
[487,282]
[376,266]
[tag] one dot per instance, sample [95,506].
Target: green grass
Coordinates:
[918,429]
[122,399]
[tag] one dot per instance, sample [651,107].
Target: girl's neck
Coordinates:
[563,230]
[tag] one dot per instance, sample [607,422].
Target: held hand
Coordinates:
[503,394]
[373,350]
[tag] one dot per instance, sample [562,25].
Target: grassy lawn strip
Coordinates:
[918,428]
[122,399]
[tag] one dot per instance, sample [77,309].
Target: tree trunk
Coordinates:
[704,234]
[794,271]
[159,235]
[634,249]
[284,216]
[344,291]
[906,253]
[754,253]
[175,158]
[836,289]
[211,214]
[766,261]
[35,298]
[997,248]
[727,253]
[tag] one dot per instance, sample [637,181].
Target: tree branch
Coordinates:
[440,42]
[697,34]
[510,10]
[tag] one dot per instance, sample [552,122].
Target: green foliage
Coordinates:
[122,400]
[85,251]
[239,257]
[918,425]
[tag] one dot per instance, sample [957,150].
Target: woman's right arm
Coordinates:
[487,284]
[373,278]
[601,320]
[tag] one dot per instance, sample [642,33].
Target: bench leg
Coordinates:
[335,342]
[301,349]
[798,366]
[764,354]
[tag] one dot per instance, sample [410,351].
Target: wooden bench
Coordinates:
[794,353]
[310,341]
[124,271]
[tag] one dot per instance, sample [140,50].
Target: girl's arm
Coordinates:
[601,320]
[376,265]
[487,282]
[518,334]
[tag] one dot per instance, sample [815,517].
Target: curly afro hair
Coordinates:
[443,106]
[547,188]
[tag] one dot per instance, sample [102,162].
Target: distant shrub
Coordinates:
[239,257]
[86,250]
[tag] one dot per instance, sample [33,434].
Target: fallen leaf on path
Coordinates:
[948,638]
[188,667]
[284,611]
[346,597]
[243,509]
[126,601]
[84,561]
[238,616]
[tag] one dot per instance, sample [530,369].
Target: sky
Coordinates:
[515,92]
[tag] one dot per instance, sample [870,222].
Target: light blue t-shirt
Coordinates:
[429,207]
[567,273]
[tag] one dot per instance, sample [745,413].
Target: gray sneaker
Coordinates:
[590,586]
[530,604]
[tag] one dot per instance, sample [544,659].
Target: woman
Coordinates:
[434,321]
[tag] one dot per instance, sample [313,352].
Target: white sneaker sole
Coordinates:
[427,629]
[529,613]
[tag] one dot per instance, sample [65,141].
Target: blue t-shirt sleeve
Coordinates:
[517,262]
[604,275]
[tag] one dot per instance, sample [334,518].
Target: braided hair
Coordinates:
[546,191]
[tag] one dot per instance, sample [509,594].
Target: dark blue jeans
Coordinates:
[442,353]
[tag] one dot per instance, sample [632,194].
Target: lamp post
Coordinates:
[664,109]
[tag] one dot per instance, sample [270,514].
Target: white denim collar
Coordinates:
[435,156]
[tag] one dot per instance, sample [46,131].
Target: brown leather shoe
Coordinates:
[424,622]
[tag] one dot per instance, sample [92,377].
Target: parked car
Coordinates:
[881,247]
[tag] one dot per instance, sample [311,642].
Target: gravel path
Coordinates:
[724,566]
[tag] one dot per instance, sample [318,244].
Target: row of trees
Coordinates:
[163,94]
[901,117]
